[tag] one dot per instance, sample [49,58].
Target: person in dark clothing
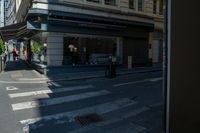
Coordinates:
[25,53]
[14,54]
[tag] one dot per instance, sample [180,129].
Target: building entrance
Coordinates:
[88,50]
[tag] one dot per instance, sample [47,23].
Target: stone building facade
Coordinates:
[86,31]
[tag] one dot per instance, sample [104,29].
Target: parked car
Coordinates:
[99,58]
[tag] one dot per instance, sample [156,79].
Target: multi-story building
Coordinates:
[2,13]
[10,12]
[87,31]
[157,36]
[7,18]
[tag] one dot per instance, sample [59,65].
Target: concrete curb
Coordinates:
[48,79]
[101,76]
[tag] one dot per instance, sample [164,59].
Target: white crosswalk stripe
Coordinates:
[156,79]
[49,84]
[99,109]
[48,91]
[32,79]
[129,128]
[114,120]
[54,101]
[56,84]
[136,82]
[11,88]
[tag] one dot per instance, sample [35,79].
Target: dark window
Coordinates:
[154,6]
[140,5]
[110,2]
[97,1]
[161,7]
[132,4]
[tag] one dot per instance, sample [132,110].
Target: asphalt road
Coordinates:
[126,104]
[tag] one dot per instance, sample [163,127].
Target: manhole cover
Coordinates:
[88,119]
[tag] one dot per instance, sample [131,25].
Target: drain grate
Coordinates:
[88,119]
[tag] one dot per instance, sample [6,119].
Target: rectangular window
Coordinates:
[140,5]
[110,2]
[97,1]
[154,6]
[161,7]
[132,4]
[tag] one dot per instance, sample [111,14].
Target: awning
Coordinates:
[16,31]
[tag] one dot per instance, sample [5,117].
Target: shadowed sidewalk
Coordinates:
[21,71]
[16,70]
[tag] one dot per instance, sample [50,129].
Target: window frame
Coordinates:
[138,7]
[133,5]
[114,3]
[94,1]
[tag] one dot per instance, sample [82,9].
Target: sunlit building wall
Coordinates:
[137,28]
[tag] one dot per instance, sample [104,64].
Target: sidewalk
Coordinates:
[17,70]
[20,71]
[100,73]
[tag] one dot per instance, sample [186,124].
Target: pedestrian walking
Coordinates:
[14,54]
[25,54]
[8,53]
[17,54]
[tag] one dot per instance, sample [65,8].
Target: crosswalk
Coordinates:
[60,100]
[112,110]
[47,91]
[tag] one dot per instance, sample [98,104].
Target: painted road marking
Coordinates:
[32,79]
[38,74]
[99,109]
[129,83]
[136,82]
[114,120]
[47,91]
[11,88]
[157,104]
[22,82]
[55,84]
[128,128]
[54,101]
[156,79]
[49,84]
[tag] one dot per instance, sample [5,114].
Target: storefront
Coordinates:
[89,49]
[63,38]
[74,49]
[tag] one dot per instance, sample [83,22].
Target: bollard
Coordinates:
[107,71]
[0,65]
[113,66]
[1,62]
[130,62]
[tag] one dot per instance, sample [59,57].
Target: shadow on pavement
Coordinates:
[16,65]
[50,117]
[54,118]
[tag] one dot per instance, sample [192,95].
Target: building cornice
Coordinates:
[97,7]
